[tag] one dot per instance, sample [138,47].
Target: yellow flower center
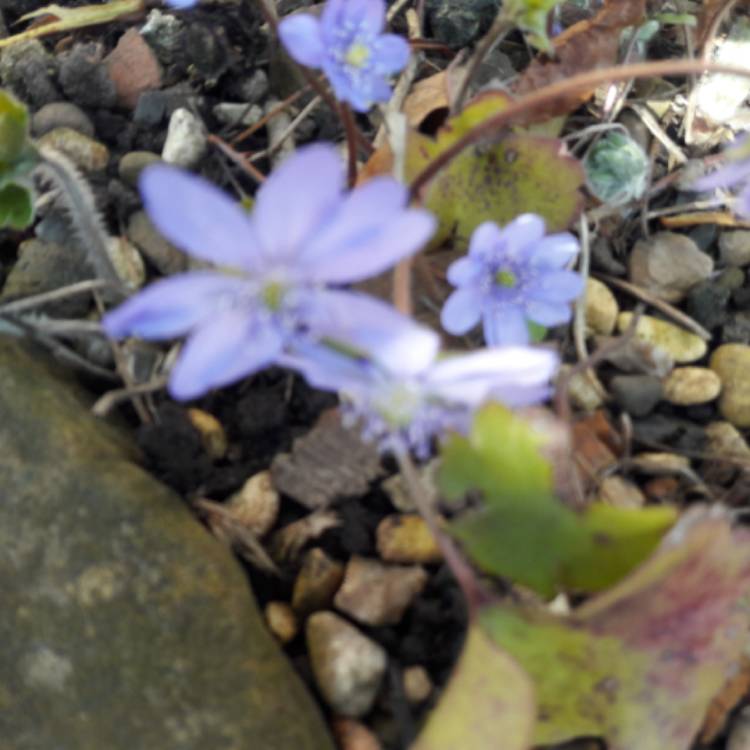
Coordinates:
[506,278]
[273,295]
[357,55]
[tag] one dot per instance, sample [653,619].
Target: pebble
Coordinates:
[281,621]
[706,303]
[150,109]
[601,308]
[680,344]
[348,667]
[618,491]
[584,391]
[353,735]
[417,684]
[406,539]
[637,356]
[658,463]
[213,437]
[731,362]
[636,394]
[28,70]
[254,88]
[662,429]
[734,247]
[237,114]
[317,582]
[186,139]
[377,594]
[128,262]
[86,153]
[167,259]
[133,68]
[725,442]
[737,328]
[668,265]
[686,386]
[133,163]
[256,504]
[61,114]
[84,77]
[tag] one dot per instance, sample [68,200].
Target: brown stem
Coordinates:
[569,86]
[350,128]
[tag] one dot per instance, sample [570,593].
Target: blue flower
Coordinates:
[347,43]
[304,235]
[181,4]
[734,174]
[404,403]
[509,277]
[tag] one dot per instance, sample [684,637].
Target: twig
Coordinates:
[347,119]
[109,400]
[44,298]
[237,158]
[281,138]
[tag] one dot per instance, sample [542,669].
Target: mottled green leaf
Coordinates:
[522,531]
[640,664]
[495,181]
[14,127]
[489,698]
[16,206]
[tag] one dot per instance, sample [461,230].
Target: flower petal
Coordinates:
[521,234]
[376,329]
[173,306]
[327,369]
[297,197]
[465,271]
[548,313]
[726,176]
[742,203]
[224,349]
[505,325]
[198,217]
[554,251]
[461,311]
[371,246]
[302,39]
[555,286]
[485,239]
[358,13]
[390,53]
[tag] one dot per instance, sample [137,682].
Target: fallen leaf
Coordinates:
[640,664]
[587,45]
[488,700]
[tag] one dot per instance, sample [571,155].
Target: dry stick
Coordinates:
[281,139]
[109,400]
[463,572]
[277,110]
[677,315]
[347,118]
[37,300]
[237,158]
[544,95]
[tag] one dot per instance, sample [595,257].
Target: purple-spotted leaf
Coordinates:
[521,173]
[489,700]
[639,665]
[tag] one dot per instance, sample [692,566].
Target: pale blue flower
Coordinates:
[181,4]
[405,403]
[304,234]
[735,173]
[509,277]
[347,43]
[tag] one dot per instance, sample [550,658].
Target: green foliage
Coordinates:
[488,697]
[531,17]
[616,169]
[496,181]
[522,532]
[17,159]
[639,664]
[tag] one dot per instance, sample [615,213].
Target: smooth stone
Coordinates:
[680,344]
[734,247]
[725,449]
[601,308]
[377,594]
[133,163]
[731,362]
[668,265]
[86,153]
[348,667]
[61,115]
[134,68]
[125,625]
[44,267]
[256,504]
[618,491]
[128,262]
[584,390]
[406,539]
[281,621]
[707,302]
[212,433]
[186,140]
[736,330]
[686,386]
[678,434]
[658,463]
[243,115]
[636,394]
[417,684]
[317,582]
[165,257]
[254,88]
[150,109]
[353,735]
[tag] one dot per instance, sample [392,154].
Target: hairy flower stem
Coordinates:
[350,128]
[500,27]
[465,576]
[542,97]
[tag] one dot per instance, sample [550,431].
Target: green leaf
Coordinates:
[495,181]
[16,206]
[617,169]
[522,531]
[531,16]
[14,128]
[640,664]
[488,697]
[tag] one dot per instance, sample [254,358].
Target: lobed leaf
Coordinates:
[16,206]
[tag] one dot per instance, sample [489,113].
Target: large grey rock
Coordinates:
[124,623]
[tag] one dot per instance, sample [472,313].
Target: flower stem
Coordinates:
[350,128]
[475,595]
